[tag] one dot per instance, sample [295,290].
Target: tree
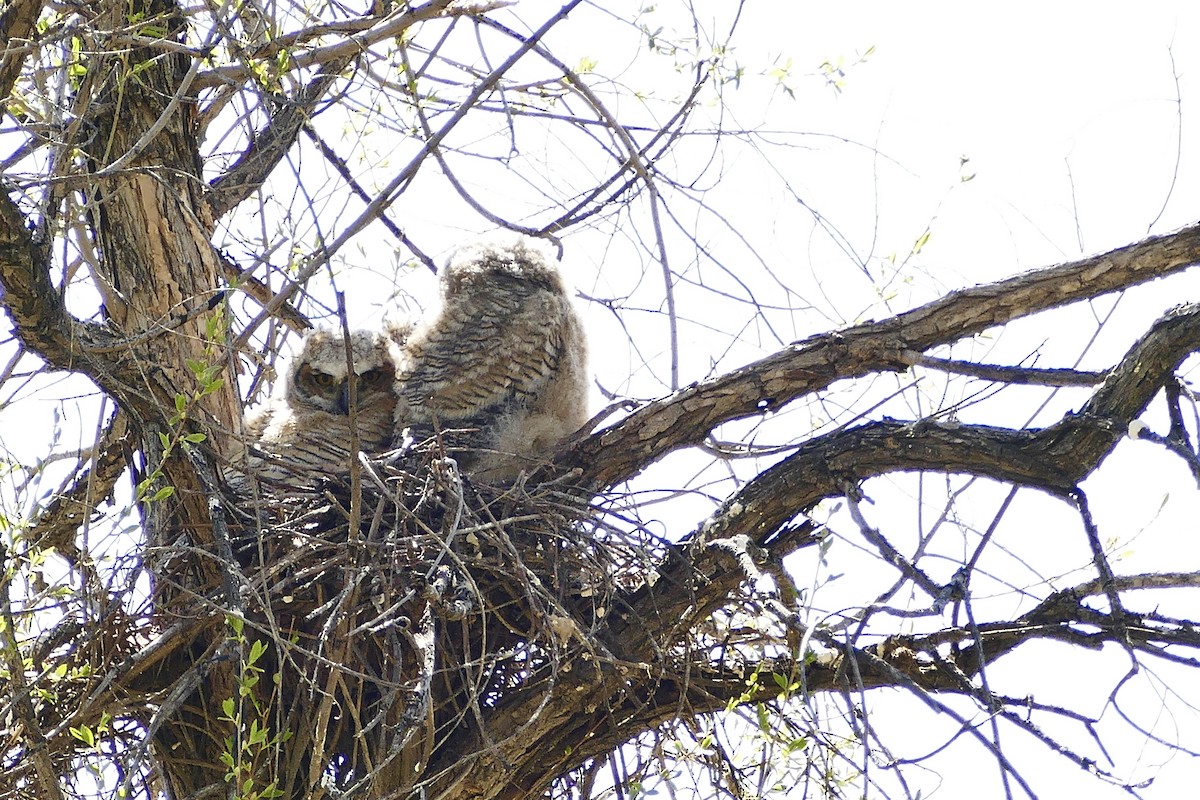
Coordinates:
[183,185]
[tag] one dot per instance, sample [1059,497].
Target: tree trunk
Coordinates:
[162,284]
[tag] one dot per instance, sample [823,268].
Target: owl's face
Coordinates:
[321,380]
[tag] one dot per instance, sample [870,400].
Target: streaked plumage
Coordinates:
[303,433]
[505,354]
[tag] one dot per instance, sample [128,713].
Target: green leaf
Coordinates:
[922,240]
[214,326]
[256,651]
[163,494]
[84,734]
[796,745]
[764,720]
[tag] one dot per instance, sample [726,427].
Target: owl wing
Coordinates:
[482,352]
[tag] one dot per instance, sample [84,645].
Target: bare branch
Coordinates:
[349,47]
[1053,458]
[688,416]
[1002,374]
[270,146]
[388,195]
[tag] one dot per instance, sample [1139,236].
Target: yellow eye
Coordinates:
[321,380]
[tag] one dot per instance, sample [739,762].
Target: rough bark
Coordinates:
[685,418]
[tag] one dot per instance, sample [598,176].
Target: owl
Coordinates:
[303,433]
[504,359]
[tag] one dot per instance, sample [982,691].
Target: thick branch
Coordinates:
[272,144]
[36,308]
[16,25]
[1054,458]
[688,416]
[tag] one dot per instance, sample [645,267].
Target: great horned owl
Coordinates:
[505,355]
[303,432]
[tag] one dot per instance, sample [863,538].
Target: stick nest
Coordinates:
[381,618]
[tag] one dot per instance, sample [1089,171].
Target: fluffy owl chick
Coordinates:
[505,354]
[303,433]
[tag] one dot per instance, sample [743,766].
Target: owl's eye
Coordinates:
[323,379]
[372,378]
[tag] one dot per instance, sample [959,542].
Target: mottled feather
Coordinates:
[305,431]
[505,354]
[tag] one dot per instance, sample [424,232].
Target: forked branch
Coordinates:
[686,417]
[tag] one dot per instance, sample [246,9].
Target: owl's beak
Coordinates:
[343,400]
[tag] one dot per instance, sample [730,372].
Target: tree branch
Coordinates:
[695,578]
[1001,374]
[272,144]
[922,664]
[36,308]
[1055,458]
[17,23]
[391,27]
[684,418]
